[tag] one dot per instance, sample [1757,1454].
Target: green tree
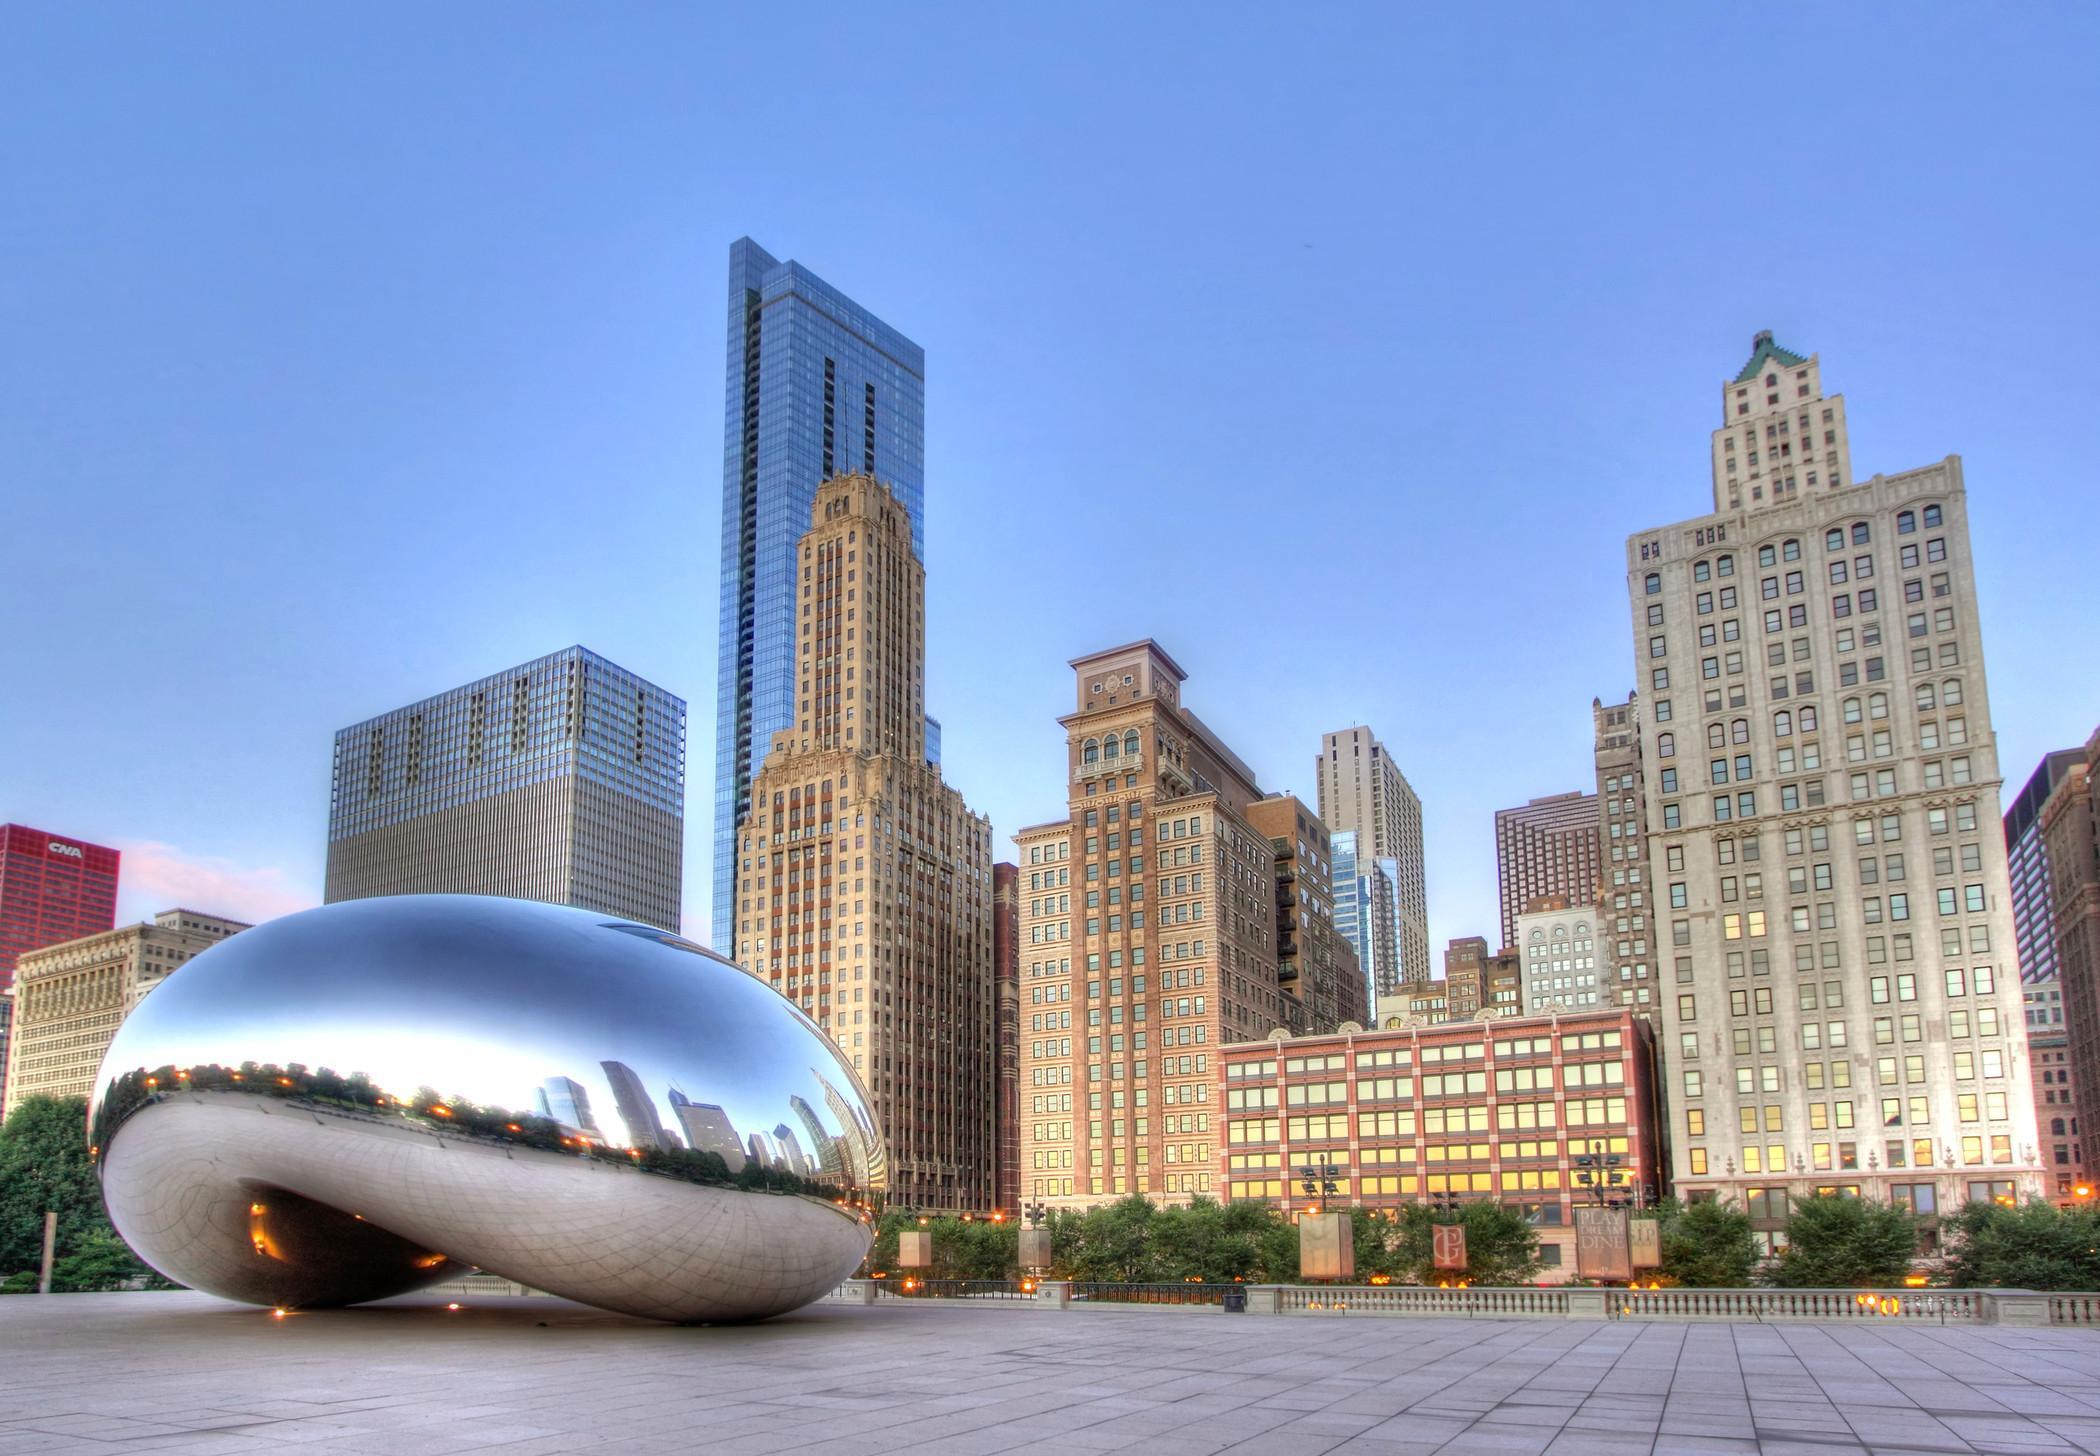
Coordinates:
[1707,1245]
[1114,1243]
[44,1165]
[2034,1246]
[1380,1247]
[1839,1242]
[100,1260]
[974,1248]
[1501,1245]
[1217,1243]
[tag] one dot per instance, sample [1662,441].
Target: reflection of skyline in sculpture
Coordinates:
[828,1150]
[562,1100]
[790,1146]
[638,1110]
[854,1140]
[234,1159]
[709,1130]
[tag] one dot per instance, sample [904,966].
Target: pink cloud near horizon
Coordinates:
[153,877]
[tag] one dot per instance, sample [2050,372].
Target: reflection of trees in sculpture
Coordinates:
[355,1095]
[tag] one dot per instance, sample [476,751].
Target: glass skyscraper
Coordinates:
[817,386]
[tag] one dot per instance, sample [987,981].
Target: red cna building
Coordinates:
[52,889]
[1498,1109]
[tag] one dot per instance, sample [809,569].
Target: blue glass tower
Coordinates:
[817,386]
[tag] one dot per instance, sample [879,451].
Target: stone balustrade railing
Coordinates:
[2018,1307]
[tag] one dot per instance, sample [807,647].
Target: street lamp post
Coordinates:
[1318,1181]
[1603,1174]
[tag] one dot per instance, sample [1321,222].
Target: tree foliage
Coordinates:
[1501,1245]
[2034,1246]
[1840,1242]
[1133,1241]
[1707,1245]
[44,1165]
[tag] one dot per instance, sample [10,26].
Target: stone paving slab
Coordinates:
[185,1373]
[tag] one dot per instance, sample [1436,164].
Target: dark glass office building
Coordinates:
[817,386]
[562,779]
[2027,867]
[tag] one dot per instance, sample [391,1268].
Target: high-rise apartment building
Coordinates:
[1315,963]
[1821,784]
[562,779]
[2070,825]
[864,883]
[2027,863]
[1148,940]
[1625,905]
[71,997]
[1006,1003]
[2055,1092]
[1361,789]
[817,386]
[1550,846]
[52,888]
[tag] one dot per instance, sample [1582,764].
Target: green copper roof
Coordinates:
[1761,349]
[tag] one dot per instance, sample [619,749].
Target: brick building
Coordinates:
[1466,1110]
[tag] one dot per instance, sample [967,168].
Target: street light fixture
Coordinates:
[1603,1173]
[1318,1180]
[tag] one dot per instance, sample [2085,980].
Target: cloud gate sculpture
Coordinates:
[364,1099]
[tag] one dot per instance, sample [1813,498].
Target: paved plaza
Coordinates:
[186,1372]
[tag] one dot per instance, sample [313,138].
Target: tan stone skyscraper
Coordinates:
[1840,1004]
[1361,788]
[1625,892]
[864,883]
[1780,436]
[1148,940]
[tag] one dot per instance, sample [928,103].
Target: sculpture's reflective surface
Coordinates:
[359,1100]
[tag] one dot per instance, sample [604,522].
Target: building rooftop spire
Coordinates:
[1761,349]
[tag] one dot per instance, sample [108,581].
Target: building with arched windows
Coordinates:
[1562,965]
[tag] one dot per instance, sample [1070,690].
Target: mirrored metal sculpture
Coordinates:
[360,1100]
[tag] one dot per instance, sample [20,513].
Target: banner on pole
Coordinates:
[1601,1250]
[1645,1242]
[1449,1245]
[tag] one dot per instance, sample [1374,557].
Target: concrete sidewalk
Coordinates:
[186,1372]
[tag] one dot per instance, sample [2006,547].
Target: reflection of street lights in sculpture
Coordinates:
[360,1100]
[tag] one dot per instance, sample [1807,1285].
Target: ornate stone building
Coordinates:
[864,883]
[1148,940]
[1820,785]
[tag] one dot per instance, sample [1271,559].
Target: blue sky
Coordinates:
[351,352]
